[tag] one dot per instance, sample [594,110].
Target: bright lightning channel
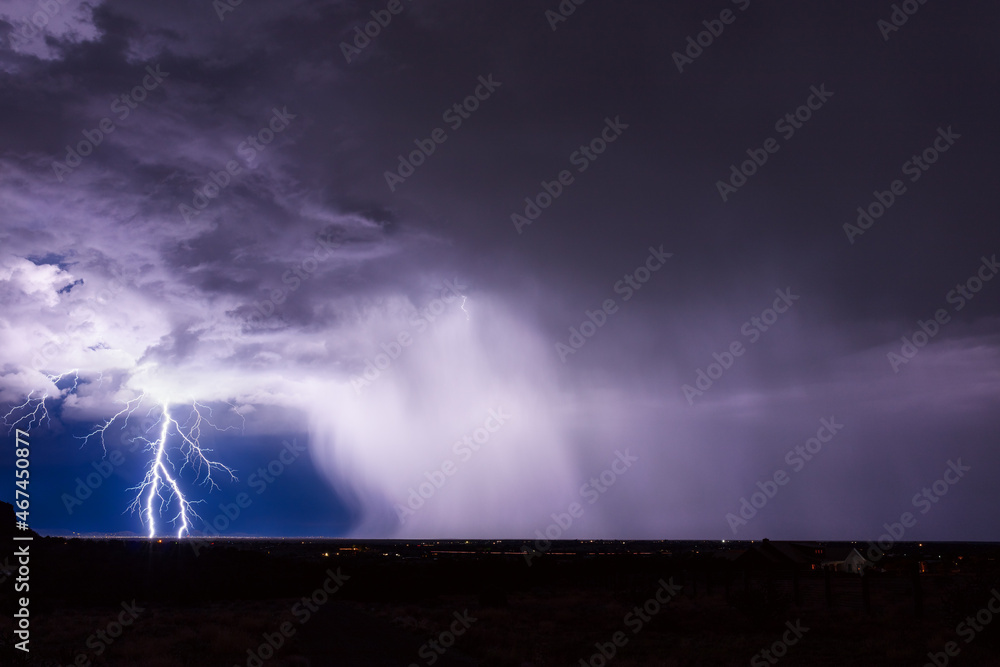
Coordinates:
[160,488]
[34,412]
[101,430]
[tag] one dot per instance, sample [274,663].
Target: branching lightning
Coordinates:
[101,430]
[159,496]
[38,414]
[464,299]
[160,489]
[34,411]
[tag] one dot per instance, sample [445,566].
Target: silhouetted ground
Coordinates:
[214,607]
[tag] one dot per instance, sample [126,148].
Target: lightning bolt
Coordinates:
[102,429]
[160,489]
[34,411]
[464,299]
[159,495]
[38,414]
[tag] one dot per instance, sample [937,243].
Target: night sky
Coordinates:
[490,260]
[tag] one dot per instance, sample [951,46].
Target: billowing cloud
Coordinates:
[196,211]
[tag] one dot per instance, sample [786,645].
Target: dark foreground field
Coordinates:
[256,603]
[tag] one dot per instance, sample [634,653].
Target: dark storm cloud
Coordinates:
[284,268]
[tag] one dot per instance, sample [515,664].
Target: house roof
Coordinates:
[779,553]
[840,554]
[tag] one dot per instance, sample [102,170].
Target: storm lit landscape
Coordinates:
[507,334]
